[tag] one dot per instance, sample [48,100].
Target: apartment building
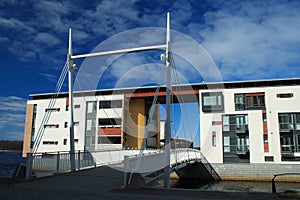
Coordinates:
[251,122]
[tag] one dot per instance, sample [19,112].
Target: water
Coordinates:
[246,186]
[9,161]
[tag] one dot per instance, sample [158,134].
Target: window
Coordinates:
[289,125]
[225,123]
[66,124]
[285,122]
[109,140]
[91,106]
[110,121]
[269,158]
[241,122]
[237,123]
[67,104]
[255,102]
[242,144]
[77,106]
[239,101]
[33,125]
[266,140]
[151,142]
[214,139]
[110,104]
[65,141]
[52,109]
[289,121]
[287,143]
[285,95]
[90,124]
[212,102]
[226,141]
[297,121]
[249,101]
[51,125]
[298,143]
[50,142]
[264,117]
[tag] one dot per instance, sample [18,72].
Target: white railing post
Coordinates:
[29,166]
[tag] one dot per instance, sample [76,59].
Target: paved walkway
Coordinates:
[105,183]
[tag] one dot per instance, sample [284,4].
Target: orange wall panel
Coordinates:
[105,131]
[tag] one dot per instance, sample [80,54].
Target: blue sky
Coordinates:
[247,40]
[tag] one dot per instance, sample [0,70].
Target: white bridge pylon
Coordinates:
[72,67]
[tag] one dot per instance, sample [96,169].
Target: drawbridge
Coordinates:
[188,163]
[140,120]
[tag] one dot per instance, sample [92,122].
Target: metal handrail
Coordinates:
[275,175]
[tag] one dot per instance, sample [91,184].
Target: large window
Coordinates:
[213,101]
[249,101]
[287,143]
[90,124]
[236,123]
[91,106]
[109,121]
[241,122]
[289,121]
[289,125]
[242,144]
[110,104]
[109,140]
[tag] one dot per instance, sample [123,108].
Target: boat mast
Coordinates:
[168,102]
[71,67]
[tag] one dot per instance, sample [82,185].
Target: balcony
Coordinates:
[242,149]
[287,149]
[241,128]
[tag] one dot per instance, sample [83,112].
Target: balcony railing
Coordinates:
[242,149]
[287,149]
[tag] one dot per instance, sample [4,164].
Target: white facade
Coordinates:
[54,131]
[241,124]
[263,147]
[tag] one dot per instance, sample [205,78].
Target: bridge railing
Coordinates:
[147,163]
[46,164]
[210,168]
[155,160]
[277,175]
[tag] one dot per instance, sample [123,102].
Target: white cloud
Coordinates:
[50,77]
[246,39]
[12,117]
[12,104]
[47,39]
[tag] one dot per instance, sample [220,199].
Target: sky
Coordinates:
[244,40]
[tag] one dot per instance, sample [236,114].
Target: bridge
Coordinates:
[139,166]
